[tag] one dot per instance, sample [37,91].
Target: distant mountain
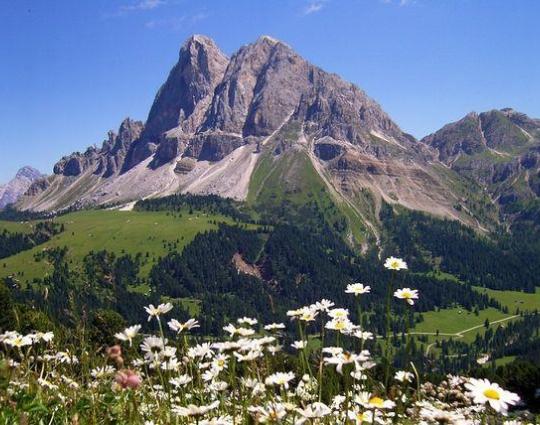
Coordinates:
[10,192]
[499,149]
[267,127]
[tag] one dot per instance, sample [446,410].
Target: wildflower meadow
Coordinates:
[257,373]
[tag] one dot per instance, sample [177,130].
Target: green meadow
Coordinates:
[120,232]
[515,299]
[16,226]
[455,320]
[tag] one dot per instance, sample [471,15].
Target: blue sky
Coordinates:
[71,70]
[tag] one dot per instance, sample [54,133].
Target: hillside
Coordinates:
[179,252]
[152,234]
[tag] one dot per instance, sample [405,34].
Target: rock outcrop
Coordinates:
[210,106]
[105,161]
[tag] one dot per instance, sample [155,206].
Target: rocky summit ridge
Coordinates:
[218,124]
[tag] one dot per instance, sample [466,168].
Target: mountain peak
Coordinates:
[199,38]
[215,118]
[17,186]
[472,114]
[268,39]
[499,148]
[196,43]
[271,42]
[28,172]
[199,69]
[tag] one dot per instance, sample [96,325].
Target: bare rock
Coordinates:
[213,146]
[192,81]
[327,149]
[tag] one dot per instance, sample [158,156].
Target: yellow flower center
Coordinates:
[376,401]
[394,264]
[406,295]
[492,394]
[340,325]
[360,417]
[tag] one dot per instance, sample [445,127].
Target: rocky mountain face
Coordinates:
[265,116]
[210,106]
[107,160]
[499,149]
[180,104]
[10,192]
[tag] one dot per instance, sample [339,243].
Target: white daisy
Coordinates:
[247,321]
[299,345]
[393,263]
[407,294]
[193,410]
[274,326]
[340,325]
[158,311]
[281,379]
[403,376]
[357,289]
[180,327]
[314,411]
[338,313]
[128,334]
[482,391]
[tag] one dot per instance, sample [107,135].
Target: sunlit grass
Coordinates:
[120,232]
[514,300]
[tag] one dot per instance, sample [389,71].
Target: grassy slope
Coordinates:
[13,226]
[116,231]
[515,299]
[290,177]
[450,320]
[511,299]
